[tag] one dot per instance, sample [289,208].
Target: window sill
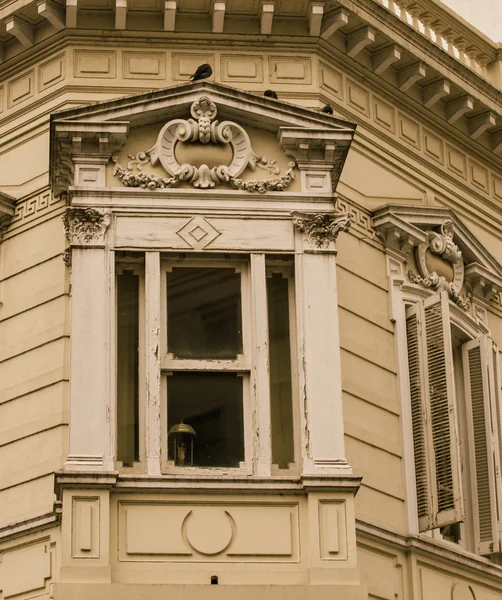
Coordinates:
[238,483]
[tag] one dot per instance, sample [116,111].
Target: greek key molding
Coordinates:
[322,228]
[85,226]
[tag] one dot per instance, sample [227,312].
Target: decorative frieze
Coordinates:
[85,226]
[322,228]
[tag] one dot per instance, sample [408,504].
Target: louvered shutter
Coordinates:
[446,493]
[481,375]
[421,438]
[498,435]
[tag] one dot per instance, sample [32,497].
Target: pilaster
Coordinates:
[90,341]
[320,387]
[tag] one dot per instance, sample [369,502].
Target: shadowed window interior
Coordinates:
[204,313]
[127,367]
[281,405]
[211,403]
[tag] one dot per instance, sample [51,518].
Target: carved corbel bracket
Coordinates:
[318,153]
[397,234]
[321,229]
[81,151]
[7,204]
[85,226]
[481,282]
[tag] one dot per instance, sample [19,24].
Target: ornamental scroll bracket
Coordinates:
[442,245]
[322,228]
[7,209]
[202,128]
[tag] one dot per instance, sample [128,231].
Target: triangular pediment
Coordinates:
[438,230]
[200,113]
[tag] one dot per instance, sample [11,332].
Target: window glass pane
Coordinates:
[280,372]
[204,313]
[127,367]
[211,403]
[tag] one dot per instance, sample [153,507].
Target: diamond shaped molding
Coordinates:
[198,233]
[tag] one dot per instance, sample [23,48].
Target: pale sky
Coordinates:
[486,15]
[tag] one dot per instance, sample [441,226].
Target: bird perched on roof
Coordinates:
[270,94]
[327,109]
[203,72]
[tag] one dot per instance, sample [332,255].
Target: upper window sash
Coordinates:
[242,362]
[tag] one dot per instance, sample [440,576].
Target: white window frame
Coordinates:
[241,365]
[252,364]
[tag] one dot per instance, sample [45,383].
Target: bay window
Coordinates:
[212,362]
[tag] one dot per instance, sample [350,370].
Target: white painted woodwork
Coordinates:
[455,109]
[218,12]
[89,363]
[152,350]
[170,15]
[433,93]
[169,233]
[383,59]
[260,376]
[54,13]
[396,263]
[120,14]
[357,42]
[410,75]
[320,386]
[478,125]
[71,13]
[316,12]
[266,18]
[21,30]
[331,25]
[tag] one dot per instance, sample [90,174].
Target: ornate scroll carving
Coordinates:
[85,225]
[322,228]
[442,245]
[202,129]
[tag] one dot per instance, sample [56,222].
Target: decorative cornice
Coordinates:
[467,257]
[101,139]
[85,226]
[322,228]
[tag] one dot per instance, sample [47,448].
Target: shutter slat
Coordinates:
[418,420]
[442,410]
[480,391]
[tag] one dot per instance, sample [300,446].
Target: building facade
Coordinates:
[248,346]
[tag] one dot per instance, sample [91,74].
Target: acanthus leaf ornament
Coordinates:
[85,225]
[442,245]
[202,129]
[322,228]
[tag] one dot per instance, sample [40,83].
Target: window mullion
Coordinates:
[152,360]
[260,379]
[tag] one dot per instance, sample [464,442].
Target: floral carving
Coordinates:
[85,225]
[442,245]
[322,228]
[202,129]
[439,283]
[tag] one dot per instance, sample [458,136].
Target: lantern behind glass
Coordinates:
[181,440]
